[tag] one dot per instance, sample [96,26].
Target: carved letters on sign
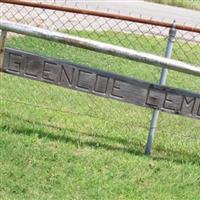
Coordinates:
[101,83]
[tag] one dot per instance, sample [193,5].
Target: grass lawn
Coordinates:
[191,4]
[57,143]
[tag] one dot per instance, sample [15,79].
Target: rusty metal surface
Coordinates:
[100,14]
[101,83]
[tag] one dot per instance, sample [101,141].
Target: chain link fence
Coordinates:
[133,35]
[59,108]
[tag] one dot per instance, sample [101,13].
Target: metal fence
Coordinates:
[136,33]
[143,35]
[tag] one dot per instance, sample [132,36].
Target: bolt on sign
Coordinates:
[101,83]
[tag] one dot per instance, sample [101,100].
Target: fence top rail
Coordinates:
[100,14]
[99,47]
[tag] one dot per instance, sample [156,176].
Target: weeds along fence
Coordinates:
[85,114]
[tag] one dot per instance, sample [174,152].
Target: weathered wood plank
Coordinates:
[101,83]
[2,43]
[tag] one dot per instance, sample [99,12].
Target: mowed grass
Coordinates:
[190,4]
[62,144]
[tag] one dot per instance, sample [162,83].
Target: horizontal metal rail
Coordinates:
[100,14]
[99,47]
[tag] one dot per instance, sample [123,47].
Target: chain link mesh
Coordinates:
[83,113]
[131,35]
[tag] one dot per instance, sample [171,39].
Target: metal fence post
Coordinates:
[2,43]
[163,78]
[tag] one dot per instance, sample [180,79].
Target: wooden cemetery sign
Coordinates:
[101,83]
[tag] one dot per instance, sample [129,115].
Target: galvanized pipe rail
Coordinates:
[100,47]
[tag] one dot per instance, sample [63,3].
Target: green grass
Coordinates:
[191,4]
[62,144]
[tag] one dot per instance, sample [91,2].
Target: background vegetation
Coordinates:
[191,4]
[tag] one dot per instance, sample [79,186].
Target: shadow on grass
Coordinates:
[179,157]
[68,139]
